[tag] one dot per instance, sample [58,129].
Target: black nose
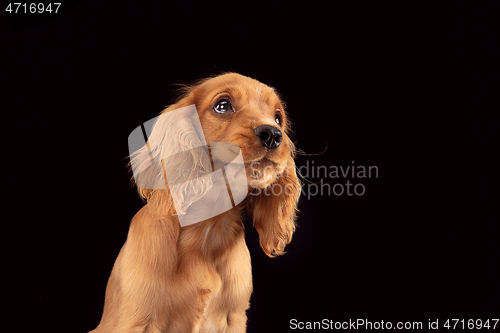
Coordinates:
[270,136]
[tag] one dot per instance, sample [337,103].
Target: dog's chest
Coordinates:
[229,291]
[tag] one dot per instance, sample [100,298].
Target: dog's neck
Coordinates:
[213,237]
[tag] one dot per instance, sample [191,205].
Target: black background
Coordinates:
[411,89]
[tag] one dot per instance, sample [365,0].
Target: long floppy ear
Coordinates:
[168,169]
[274,210]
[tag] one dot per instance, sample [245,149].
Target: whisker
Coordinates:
[260,94]
[225,83]
[303,153]
[307,180]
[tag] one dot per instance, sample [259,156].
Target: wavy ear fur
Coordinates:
[170,150]
[274,211]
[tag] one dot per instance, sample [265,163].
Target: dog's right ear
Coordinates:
[275,209]
[168,169]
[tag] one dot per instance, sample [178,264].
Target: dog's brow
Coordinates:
[226,83]
[261,89]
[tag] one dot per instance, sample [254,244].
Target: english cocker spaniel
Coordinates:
[185,266]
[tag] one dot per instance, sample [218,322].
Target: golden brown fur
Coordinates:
[197,278]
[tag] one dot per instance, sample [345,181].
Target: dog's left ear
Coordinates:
[274,210]
[174,153]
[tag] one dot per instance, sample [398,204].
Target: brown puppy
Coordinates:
[198,278]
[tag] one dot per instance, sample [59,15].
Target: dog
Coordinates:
[197,277]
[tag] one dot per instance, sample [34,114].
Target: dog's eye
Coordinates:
[223,105]
[277,118]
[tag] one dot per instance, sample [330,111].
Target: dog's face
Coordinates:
[237,109]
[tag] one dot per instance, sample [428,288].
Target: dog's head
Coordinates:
[243,111]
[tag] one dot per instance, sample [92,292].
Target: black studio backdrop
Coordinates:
[408,89]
